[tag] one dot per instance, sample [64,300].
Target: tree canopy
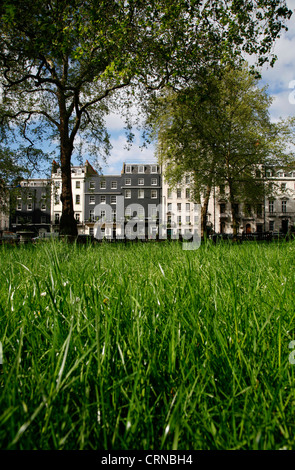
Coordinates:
[61,61]
[222,133]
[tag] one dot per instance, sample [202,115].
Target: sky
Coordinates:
[278,80]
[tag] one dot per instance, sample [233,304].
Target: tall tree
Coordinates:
[223,134]
[61,60]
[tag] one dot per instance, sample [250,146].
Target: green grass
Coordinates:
[147,346]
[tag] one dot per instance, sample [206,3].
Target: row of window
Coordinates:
[283,206]
[29,206]
[113,198]
[248,208]
[140,215]
[280,174]
[178,193]
[141,169]
[29,196]
[114,184]
[179,206]
[28,219]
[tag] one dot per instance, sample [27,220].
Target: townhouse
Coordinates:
[139,203]
[30,204]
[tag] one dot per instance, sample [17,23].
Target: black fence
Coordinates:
[256,236]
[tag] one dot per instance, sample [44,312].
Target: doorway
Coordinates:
[248,228]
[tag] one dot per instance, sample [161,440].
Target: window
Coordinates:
[154,213]
[77,217]
[169,193]
[248,209]
[128,168]
[103,199]
[114,185]
[140,193]
[91,231]
[187,180]
[19,206]
[113,199]
[77,198]
[271,206]
[178,193]
[284,206]
[43,206]
[154,194]
[154,182]
[128,193]
[92,199]
[91,215]
[179,219]
[141,169]
[43,219]
[128,212]
[56,218]
[91,185]
[187,193]
[271,225]
[78,185]
[187,219]
[169,206]
[179,206]
[30,196]
[188,206]
[140,212]
[140,181]
[30,206]
[56,199]
[259,210]
[222,208]
[114,214]
[103,184]
[283,186]
[128,181]
[154,169]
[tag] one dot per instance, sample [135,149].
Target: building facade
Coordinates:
[30,205]
[139,203]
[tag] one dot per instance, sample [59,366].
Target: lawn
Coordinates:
[147,346]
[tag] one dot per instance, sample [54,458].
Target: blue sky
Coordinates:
[277,78]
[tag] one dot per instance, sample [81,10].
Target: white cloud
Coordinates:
[122,152]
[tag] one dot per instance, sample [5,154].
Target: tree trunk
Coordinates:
[68,224]
[233,212]
[204,211]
